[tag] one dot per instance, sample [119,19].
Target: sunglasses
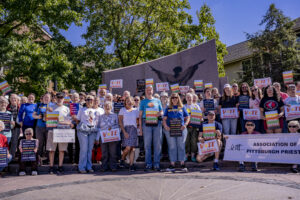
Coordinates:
[293,127]
[244,87]
[234,86]
[27,133]
[89,99]
[136,100]
[249,124]
[254,90]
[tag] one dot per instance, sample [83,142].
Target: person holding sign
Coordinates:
[256,96]
[191,140]
[175,121]
[294,127]
[107,122]
[228,100]
[150,120]
[128,117]
[7,118]
[28,148]
[243,102]
[208,103]
[293,99]
[4,146]
[209,130]
[272,102]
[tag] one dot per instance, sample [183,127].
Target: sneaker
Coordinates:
[241,168]
[34,173]
[122,164]
[82,171]
[131,168]
[171,168]
[60,170]
[216,166]
[22,173]
[51,170]
[157,169]
[294,170]
[148,168]
[194,159]
[90,171]
[183,168]
[254,167]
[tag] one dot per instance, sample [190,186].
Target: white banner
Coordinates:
[160,87]
[116,83]
[229,113]
[292,112]
[262,82]
[110,135]
[184,89]
[251,114]
[63,135]
[271,148]
[209,146]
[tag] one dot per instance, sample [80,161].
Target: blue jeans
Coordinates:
[229,126]
[86,142]
[152,134]
[8,161]
[176,146]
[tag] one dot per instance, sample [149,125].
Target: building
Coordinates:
[239,53]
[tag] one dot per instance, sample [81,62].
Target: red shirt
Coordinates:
[3,141]
[283,96]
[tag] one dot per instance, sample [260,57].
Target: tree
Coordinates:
[275,48]
[129,32]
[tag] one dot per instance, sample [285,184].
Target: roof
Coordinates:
[297,24]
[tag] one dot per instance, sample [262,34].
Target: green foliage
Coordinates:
[275,49]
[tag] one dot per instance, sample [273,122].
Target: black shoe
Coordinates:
[216,166]
[171,168]
[157,169]
[131,168]
[294,170]
[122,164]
[241,168]
[148,169]
[60,170]
[51,170]
[183,168]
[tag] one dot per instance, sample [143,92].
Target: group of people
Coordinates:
[144,123]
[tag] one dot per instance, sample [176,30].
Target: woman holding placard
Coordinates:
[208,103]
[228,100]
[243,102]
[175,121]
[272,110]
[256,96]
[128,117]
[7,118]
[191,140]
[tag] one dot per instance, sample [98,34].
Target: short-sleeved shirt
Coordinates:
[129,117]
[229,102]
[64,115]
[175,113]
[41,110]
[88,116]
[217,125]
[271,104]
[28,109]
[150,103]
[292,100]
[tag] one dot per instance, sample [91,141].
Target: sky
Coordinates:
[233,18]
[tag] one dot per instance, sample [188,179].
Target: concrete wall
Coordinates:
[232,70]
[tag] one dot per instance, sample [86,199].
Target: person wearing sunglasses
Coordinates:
[176,143]
[250,129]
[235,90]
[33,164]
[243,102]
[294,127]
[256,96]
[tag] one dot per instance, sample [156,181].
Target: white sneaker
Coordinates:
[34,173]
[22,173]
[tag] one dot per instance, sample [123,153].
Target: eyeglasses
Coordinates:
[254,90]
[174,98]
[293,127]
[234,86]
[249,124]
[27,133]
[245,87]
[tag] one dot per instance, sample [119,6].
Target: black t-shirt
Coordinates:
[229,102]
[271,104]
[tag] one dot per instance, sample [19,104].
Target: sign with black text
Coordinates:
[28,153]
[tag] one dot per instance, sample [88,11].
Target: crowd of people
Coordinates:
[142,134]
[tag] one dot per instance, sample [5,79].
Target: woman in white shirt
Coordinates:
[128,118]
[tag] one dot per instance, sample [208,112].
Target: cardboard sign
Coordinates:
[4,87]
[175,88]
[140,85]
[298,92]
[6,119]
[198,84]
[151,116]
[118,106]
[28,153]
[292,112]
[103,86]
[184,89]
[160,87]
[63,135]
[287,77]
[3,157]
[196,117]
[251,114]
[112,135]
[175,127]
[74,108]
[262,82]
[208,85]
[207,147]
[149,81]
[229,113]
[263,148]
[52,119]
[116,83]
[209,131]
[272,119]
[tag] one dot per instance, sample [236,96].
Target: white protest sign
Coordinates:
[262,82]
[251,114]
[162,87]
[271,148]
[116,83]
[111,135]
[292,112]
[229,113]
[184,89]
[63,135]
[209,146]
